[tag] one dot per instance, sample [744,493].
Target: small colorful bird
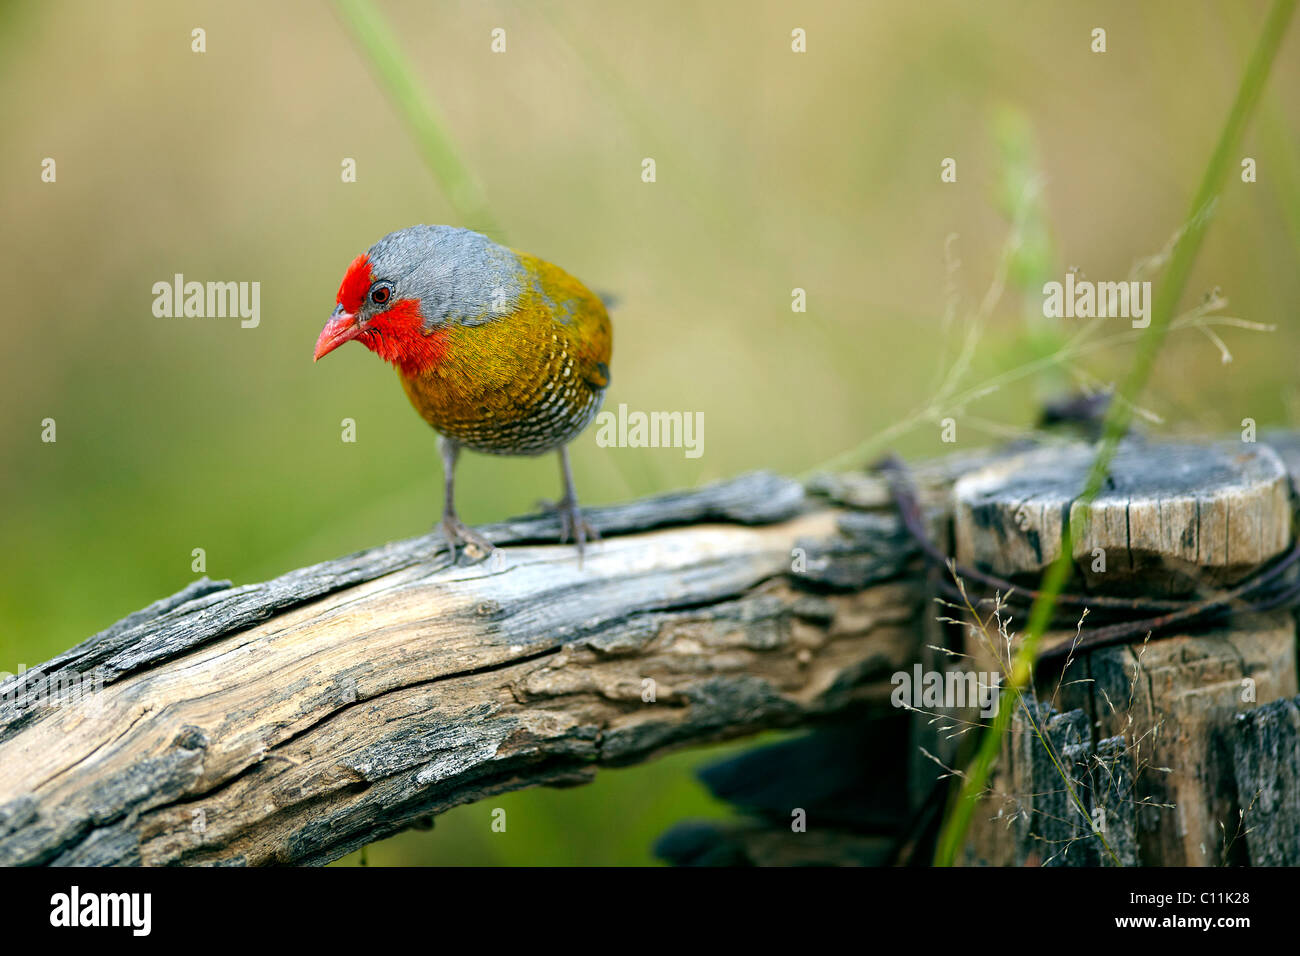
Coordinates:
[498,350]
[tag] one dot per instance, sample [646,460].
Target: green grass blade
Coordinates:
[378,46]
[1170,289]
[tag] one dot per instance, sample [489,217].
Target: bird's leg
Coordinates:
[455,530]
[573,526]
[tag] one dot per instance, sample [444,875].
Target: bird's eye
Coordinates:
[380,294]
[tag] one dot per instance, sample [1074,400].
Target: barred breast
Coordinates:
[521,384]
[554,423]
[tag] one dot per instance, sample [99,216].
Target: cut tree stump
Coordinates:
[1174,519]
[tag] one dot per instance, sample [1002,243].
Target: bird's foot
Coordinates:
[573,526]
[477,547]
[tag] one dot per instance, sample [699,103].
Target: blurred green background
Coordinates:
[776,170]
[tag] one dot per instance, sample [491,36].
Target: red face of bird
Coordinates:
[398,298]
[364,306]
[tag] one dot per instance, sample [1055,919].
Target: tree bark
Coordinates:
[293,721]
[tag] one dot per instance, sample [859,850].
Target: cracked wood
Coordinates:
[299,719]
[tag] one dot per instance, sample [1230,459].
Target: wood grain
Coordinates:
[1173,517]
[407,687]
[293,720]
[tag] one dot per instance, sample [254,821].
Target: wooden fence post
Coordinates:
[1174,521]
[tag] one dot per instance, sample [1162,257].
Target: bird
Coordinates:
[500,352]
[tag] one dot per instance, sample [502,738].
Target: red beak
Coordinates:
[342,327]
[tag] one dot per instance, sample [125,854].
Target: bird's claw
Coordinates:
[477,547]
[573,526]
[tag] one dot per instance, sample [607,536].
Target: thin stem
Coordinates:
[378,46]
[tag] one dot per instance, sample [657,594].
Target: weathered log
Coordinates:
[296,720]
[205,610]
